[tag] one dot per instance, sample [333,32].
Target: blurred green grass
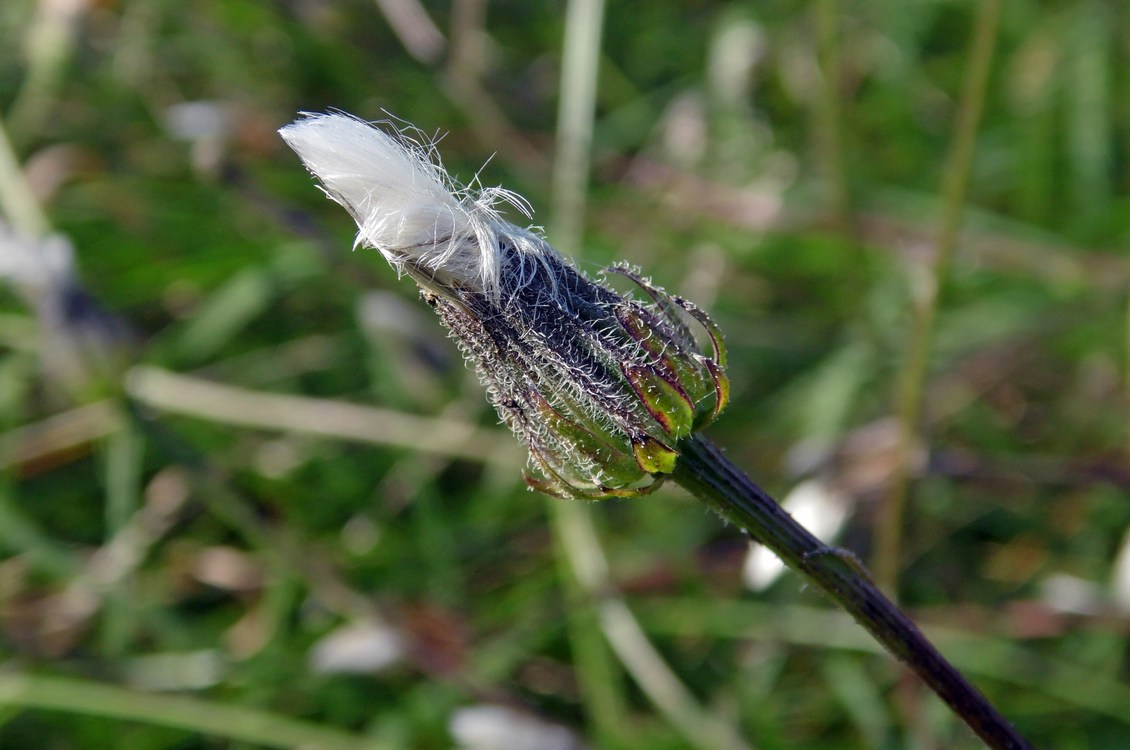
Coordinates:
[187,557]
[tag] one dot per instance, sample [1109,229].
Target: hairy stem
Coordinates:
[707,474]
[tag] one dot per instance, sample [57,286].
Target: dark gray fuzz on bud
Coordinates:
[600,387]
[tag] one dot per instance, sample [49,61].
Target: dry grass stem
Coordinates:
[226,404]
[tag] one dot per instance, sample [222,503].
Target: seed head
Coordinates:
[600,387]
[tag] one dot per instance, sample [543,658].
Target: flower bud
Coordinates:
[599,386]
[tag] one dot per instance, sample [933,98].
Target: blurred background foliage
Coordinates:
[251,497]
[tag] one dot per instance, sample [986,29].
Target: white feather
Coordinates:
[406,206]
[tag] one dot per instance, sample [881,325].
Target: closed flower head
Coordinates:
[599,386]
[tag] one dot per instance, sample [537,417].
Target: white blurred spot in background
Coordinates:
[815,505]
[488,727]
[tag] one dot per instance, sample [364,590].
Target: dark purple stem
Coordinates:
[708,475]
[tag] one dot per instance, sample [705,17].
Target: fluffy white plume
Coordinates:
[406,206]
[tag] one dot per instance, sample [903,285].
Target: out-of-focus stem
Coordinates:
[584,20]
[123,488]
[462,79]
[583,28]
[708,475]
[167,391]
[201,717]
[912,376]
[829,114]
[17,201]
[1126,371]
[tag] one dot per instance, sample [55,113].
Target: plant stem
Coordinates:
[707,474]
[829,117]
[123,467]
[17,201]
[912,376]
[584,24]
[195,715]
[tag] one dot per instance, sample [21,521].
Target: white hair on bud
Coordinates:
[407,207]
